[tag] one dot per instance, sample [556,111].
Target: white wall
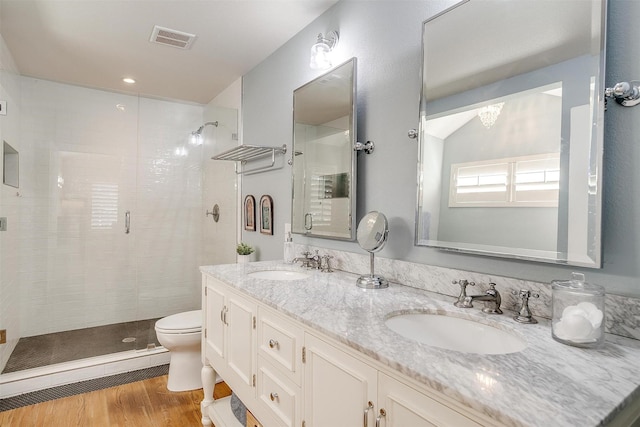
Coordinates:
[9,207]
[385,37]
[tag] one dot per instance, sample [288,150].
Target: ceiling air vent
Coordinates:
[170,37]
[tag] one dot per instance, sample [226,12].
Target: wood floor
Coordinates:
[140,404]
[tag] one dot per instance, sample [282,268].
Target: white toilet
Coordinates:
[181,334]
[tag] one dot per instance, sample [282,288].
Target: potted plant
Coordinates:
[245,252]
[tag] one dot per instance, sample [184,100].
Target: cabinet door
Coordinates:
[405,406]
[215,328]
[241,350]
[337,386]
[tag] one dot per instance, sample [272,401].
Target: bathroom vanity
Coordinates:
[312,349]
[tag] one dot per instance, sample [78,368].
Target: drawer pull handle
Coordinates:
[366,414]
[274,344]
[379,417]
[273,396]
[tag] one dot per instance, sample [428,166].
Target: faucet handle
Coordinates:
[463,283]
[524,315]
[325,264]
[462,301]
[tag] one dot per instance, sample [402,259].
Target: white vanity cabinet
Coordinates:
[229,336]
[341,389]
[290,375]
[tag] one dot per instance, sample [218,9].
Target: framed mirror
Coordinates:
[323,156]
[511,130]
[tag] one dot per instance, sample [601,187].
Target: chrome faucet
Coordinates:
[491,299]
[308,261]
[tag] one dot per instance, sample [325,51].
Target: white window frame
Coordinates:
[497,183]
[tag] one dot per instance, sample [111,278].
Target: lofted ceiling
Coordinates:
[96,43]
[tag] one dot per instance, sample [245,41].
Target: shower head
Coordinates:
[196,135]
[201,128]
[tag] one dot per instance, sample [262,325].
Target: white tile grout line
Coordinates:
[30,380]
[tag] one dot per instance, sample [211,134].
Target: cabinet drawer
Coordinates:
[278,394]
[280,342]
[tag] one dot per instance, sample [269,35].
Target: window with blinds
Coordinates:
[526,181]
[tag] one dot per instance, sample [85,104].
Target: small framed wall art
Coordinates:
[266,215]
[250,213]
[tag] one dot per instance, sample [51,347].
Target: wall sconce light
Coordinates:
[320,51]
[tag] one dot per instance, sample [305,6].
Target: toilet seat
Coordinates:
[181,323]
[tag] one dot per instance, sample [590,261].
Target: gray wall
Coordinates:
[516,227]
[385,37]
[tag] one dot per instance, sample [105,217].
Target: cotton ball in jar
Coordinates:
[573,310]
[593,313]
[576,326]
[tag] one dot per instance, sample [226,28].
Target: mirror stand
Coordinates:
[372,281]
[372,234]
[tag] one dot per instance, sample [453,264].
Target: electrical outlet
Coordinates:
[3,336]
[3,223]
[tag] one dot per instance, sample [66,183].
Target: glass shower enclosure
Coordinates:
[108,221]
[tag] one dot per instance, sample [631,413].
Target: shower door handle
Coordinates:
[127,222]
[308,221]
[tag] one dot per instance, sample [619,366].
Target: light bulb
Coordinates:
[320,56]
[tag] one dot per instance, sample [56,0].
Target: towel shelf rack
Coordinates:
[247,153]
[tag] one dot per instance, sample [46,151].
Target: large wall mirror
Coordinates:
[324,161]
[511,134]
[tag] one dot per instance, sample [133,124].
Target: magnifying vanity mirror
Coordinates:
[373,230]
[511,130]
[323,159]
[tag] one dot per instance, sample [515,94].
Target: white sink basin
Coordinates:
[454,333]
[279,275]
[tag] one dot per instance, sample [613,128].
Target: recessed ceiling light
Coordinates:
[128,80]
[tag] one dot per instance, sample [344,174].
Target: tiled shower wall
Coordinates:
[219,187]
[90,156]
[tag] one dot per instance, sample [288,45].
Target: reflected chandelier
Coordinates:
[489,114]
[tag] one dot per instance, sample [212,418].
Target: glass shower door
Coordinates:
[77,273]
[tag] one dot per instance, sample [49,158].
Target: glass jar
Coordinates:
[578,316]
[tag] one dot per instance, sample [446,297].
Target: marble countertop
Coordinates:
[547,384]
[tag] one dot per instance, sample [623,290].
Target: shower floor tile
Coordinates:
[48,349]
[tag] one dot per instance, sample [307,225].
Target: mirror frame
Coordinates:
[595,158]
[353,138]
[381,242]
